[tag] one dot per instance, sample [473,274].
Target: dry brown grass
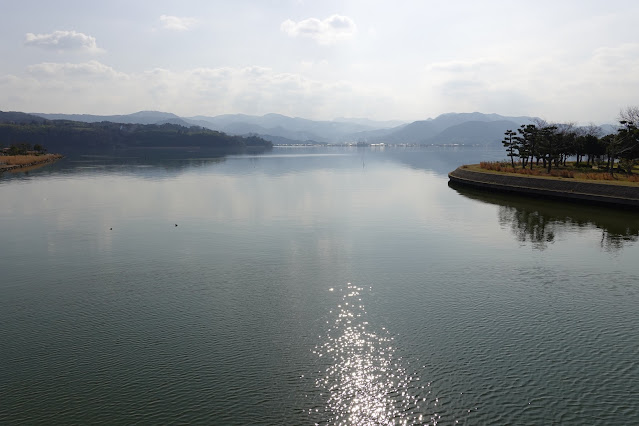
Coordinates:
[24,160]
[598,176]
[567,173]
[505,167]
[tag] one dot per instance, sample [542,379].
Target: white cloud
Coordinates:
[62,41]
[177,23]
[459,66]
[91,69]
[95,88]
[330,30]
[554,85]
[591,87]
[625,56]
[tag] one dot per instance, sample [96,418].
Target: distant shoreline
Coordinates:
[550,187]
[22,161]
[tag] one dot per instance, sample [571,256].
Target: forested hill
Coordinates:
[64,136]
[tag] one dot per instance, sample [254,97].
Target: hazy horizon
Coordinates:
[335,119]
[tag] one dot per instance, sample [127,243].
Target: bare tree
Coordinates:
[590,130]
[629,115]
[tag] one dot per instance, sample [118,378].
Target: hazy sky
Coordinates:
[562,60]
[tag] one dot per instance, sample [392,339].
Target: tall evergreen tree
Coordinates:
[510,144]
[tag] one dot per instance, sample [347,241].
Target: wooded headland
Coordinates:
[66,137]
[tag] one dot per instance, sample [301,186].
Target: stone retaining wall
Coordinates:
[565,188]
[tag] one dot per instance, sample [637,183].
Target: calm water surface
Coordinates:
[329,286]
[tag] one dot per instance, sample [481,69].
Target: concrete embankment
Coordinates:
[565,189]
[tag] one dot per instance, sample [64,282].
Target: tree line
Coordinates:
[23,148]
[551,144]
[72,136]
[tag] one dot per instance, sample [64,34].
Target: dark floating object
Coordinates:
[176,224]
[110,229]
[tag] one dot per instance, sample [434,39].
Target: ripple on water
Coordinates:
[361,377]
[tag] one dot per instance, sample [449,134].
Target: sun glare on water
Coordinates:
[362,379]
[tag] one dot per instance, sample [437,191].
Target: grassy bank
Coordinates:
[570,171]
[19,161]
[618,193]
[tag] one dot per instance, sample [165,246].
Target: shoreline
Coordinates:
[41,160]
[547,187]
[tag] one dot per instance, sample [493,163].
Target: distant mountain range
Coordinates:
[292,128]
[452,128]
[141,117]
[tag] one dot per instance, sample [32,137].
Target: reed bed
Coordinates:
[25,160]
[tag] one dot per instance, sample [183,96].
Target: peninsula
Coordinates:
[73,137]
[569,189]
[605,170]
[13,162]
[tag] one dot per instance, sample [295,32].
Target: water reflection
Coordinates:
[168,163]
[156,165]
[441,159]
[363,380]
[529,226]
[540,222]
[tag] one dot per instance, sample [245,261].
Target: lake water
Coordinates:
[319,285]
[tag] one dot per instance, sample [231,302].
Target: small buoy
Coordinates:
[176,224]
[110,229]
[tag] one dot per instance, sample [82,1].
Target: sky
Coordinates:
[561,60]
